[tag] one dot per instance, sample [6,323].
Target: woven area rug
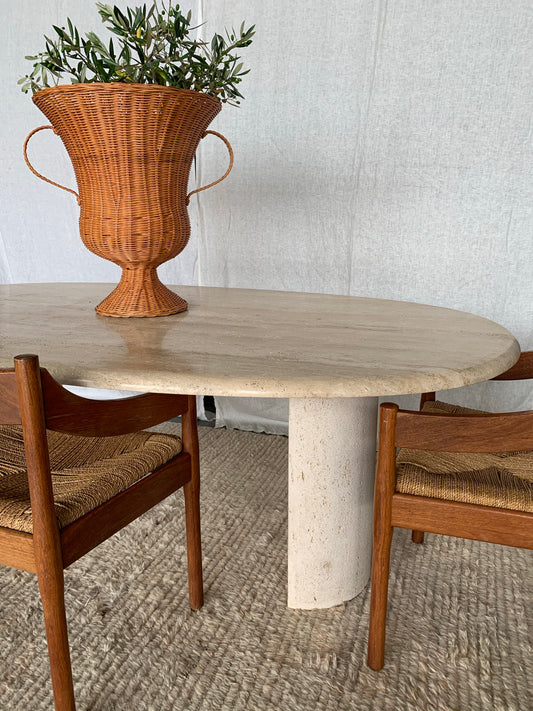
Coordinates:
[458,636]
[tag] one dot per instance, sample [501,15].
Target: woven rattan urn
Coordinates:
[132,147]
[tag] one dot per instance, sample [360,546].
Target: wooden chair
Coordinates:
[481,488]
[73,472]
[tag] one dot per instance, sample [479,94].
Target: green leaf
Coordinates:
[60,31]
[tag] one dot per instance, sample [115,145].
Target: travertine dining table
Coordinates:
[331,355]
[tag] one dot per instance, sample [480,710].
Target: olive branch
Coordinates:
[154,46]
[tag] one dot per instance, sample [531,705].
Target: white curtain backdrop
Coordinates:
[383,149]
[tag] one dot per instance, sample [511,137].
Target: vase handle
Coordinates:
[230,151]
[30,166]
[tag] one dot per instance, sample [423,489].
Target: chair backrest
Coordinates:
[498,432]
[26,385]
[67,412]
[9,399]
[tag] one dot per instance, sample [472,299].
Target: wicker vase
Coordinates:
[131,146]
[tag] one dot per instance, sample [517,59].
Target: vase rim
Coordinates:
[121,87]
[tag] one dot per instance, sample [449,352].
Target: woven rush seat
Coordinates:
[86,471]
[499,480]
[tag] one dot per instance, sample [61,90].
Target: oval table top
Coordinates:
[242,342]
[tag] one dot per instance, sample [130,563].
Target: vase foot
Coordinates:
[141,294]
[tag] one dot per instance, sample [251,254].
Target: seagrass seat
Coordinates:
[453,471]
[73,472]
[503,479]
[85,471]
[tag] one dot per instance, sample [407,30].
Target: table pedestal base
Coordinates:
[332,456]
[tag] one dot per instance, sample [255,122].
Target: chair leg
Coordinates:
[417,536]
[194,545]
[191,490]
[51,585]
[378,596]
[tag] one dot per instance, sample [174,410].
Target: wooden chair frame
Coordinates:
[499,432]
[30,397]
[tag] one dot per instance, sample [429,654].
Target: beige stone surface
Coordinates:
[253,343]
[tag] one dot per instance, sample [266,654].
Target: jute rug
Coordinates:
[458,636]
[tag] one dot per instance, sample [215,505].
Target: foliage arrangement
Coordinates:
[155,46]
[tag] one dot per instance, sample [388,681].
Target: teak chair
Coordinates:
[73,472]
[480,488]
